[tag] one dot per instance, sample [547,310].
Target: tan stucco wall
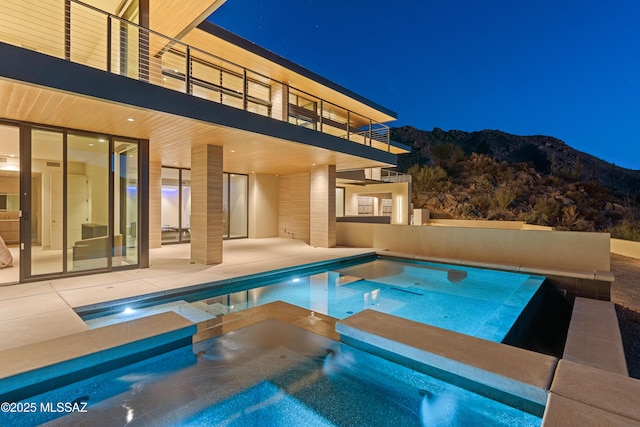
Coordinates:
[294,209]
[263,206]
[565,250]
[626,248]
[484,223]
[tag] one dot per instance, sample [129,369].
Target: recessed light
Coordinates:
[91,145]
[313,164]
[131,119]
[233,151]
[12,155]
[102,140]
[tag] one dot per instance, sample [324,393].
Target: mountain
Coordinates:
[541,152]
[539,179]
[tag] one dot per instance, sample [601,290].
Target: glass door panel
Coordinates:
[170,210]
[225,205]
[185,219]
[47,202]
[125,221]
[10,204]
[87,181]
[238,196]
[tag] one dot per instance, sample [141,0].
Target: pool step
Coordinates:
[34,368]
[298,316]
[511,375]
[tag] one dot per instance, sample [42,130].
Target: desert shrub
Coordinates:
[572,220]
[628,230]
[448,156]
[425,178]
[546,211]
[500,200]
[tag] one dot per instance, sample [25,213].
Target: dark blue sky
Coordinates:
[564,68]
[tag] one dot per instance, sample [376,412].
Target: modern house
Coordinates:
[129,124]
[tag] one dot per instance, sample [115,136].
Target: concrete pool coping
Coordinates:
[601,275]
[74,357]
[486,367]
[577,392]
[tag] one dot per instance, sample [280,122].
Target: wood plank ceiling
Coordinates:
[171,137]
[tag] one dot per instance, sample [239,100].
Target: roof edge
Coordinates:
[237,40]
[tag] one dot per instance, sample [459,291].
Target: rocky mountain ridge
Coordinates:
[539,179]
[541,152]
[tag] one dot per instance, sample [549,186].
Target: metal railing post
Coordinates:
[245,89]
[109,47]
[188,71]
[67,30]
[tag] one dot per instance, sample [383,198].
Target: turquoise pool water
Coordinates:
[479,302]
[269,374]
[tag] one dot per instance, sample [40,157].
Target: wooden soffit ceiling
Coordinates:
[171,137]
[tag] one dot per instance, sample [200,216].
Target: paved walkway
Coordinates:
[625,293]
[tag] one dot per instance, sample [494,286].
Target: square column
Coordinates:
[155,205]
[322,215]
[206,204]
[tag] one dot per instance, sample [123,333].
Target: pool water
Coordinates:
[478,302]
[270,374]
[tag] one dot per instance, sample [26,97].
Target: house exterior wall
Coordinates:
[400,196]
[294,206]
[322,215]
[263,206]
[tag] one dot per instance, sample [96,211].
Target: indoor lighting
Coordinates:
[233,151]
[128,311]
[131,119]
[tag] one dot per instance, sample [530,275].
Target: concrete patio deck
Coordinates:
[33,312]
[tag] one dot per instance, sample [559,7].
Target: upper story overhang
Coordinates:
[212,38]
[43,89]
[83,34]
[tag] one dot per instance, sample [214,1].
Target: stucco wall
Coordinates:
[566,250]
[470,223]
[294,201]
[626,248]
[263,206]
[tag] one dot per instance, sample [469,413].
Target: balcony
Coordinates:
[80,33]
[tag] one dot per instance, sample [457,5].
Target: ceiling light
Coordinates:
[131,119]
[233,151]
[91,145]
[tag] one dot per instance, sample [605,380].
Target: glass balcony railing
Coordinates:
[83,34]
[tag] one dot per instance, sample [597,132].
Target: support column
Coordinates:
[206,204]
[155,205]
[322,218]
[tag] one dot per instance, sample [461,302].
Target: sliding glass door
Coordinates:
[83,205]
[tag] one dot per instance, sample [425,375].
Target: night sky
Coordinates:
[563,68]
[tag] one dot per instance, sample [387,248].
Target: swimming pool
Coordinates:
[271,374]
[479,302]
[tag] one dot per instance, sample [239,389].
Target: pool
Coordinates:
[271,374]
[479,302]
